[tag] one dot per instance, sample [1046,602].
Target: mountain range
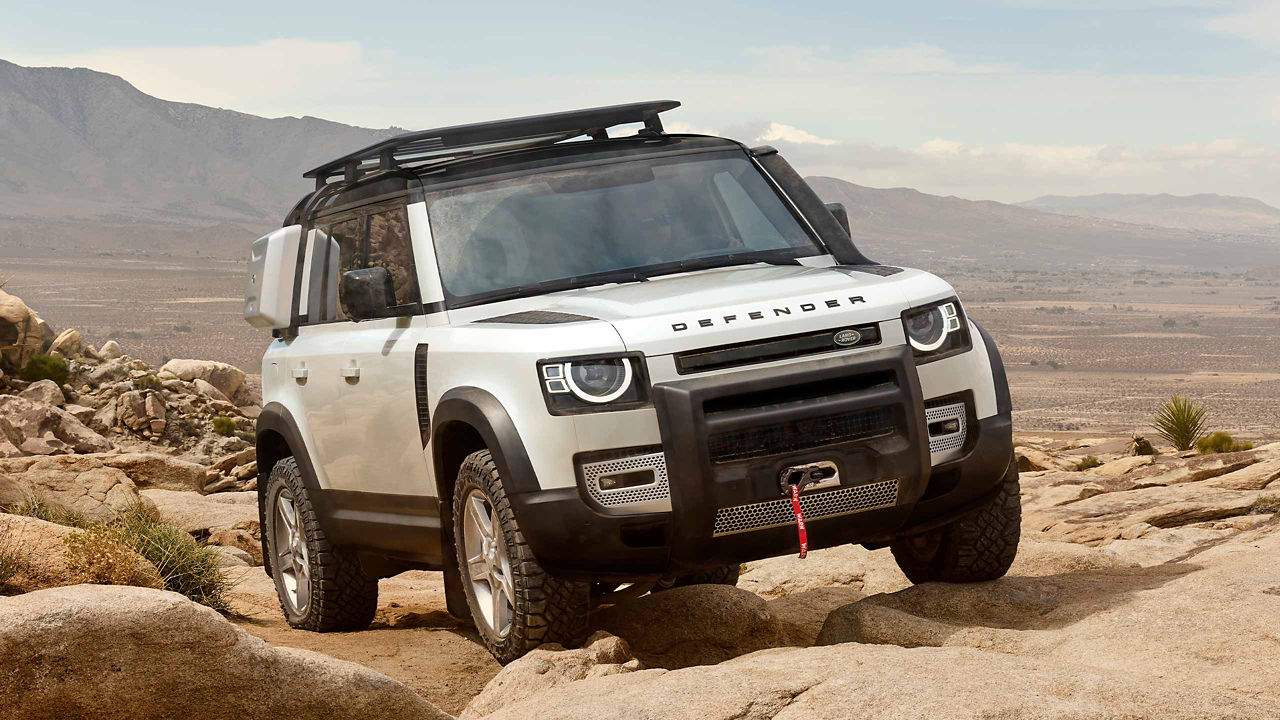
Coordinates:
[90,163]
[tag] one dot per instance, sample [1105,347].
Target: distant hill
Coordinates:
[88,160]
[905,225]
[1207,212]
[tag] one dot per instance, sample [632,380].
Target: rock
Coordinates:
[802,614]
[80,412]
[693,625]
[152,470]
[22,420]
[1116,468]
[231,556]
[225,465]
[108,372]
[44,392]
[240,539]
[246,471]
[226,378]
[1254,477]
[13,490]
[116,653]
[220,485]
[205,514]
[110,350]
[1194,469]
[843,566]
[209,391]
[41,554]
[21,332]
[131,410]
[1032,459]
[75,482]
[105,418]
[250,392]
[156,412]
[552,666]
[68,343]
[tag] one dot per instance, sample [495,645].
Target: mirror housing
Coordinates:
[842,216]
[368,293]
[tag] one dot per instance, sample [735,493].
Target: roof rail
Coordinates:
[490,137]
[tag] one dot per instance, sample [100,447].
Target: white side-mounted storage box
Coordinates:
[273,263]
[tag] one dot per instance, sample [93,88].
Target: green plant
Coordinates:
[45,367]
[1180,421]
[224,426]
[98,555]
[186,566]
[147,382]
[41,509]
[1054,364]
[1088,462]
[1221,442]
[1140,445]
[1170,323]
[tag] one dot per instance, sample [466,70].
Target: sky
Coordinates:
[1001,100]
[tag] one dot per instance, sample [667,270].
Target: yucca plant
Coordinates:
[1180,421]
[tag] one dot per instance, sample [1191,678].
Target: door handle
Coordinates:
[300,373]
[351,372]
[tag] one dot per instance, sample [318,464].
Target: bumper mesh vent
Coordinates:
[816,505]
[654,497]
[944,448]
[799,435]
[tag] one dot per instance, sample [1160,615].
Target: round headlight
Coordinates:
[599,381]
[927,330]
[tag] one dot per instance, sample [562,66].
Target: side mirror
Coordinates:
[842,216]
[367,293]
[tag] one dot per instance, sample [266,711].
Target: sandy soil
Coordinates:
[413,639]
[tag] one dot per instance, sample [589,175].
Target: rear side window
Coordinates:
[374,237]
[389,247]
[347,240]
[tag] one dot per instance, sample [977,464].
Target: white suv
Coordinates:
[565,367]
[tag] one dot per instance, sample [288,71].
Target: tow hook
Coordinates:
[792,482]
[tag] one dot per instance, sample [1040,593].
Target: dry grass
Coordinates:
[37,507]
[99,555]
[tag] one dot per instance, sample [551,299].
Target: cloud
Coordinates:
[264,78]
[1259,23]
[777,132]
[911,59]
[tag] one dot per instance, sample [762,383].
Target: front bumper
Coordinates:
[728,438]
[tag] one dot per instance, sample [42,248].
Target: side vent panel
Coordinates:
[420,392]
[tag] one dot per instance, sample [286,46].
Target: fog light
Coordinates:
[624,480]
[945,427]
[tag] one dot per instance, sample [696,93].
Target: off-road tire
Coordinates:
[342,596]
[979,546]
[545,609]
[723,575]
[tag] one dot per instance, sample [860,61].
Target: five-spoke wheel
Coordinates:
[488,565]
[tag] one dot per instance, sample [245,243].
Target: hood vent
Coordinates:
[538,317]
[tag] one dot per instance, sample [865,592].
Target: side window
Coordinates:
[347,250]
[390,248]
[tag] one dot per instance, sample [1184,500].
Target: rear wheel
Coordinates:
[320,587]
[515,604]
[979,546]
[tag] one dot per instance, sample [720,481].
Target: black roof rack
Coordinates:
[488,137]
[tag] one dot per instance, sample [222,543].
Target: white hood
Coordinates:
[727,305]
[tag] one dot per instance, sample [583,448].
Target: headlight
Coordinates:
[936,331]
[595,384]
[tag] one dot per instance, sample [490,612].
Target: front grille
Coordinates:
[778,348]
[798,435]
[816,505]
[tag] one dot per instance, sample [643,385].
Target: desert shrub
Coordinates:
[1221,442]
[98,555]
[45,367]
[148,382]
[1180,421]
[39,508]
[182,328]
[1170,323]
[246,436]
[12,561]
[1088,462]
[187,567]
[1140,445]
[224,426]
[1054,364]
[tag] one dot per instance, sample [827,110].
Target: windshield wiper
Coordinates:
[550,286]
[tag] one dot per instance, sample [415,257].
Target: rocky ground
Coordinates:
[1144,587]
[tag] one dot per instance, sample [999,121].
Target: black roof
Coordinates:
[487,137]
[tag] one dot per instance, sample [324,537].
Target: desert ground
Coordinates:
[1089,349]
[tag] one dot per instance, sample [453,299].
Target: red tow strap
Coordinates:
[804,534]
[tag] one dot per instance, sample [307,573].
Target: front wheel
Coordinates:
[979,546]
[515,604]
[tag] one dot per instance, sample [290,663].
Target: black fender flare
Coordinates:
[484,413]
[275,419]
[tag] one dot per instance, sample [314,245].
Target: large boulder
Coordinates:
[74,482]
[693,625]
[152,470]
[68,343]
[44,392]
[141,410]
[139,654]
[226,378]
[21,332]
[849,566]
[40,553]
[31,428]
[110,350]
[205,515]
[552,666]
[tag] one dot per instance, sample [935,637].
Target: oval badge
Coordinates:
[846,338]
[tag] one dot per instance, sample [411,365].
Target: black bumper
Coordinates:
[726,442]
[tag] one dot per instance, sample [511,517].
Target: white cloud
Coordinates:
[264,78]
[777,132]
[913,59]
[1259,23]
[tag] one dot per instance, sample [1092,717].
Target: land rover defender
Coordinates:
[566,363]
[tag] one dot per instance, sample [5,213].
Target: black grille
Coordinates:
[420,392]
[778,348]
[800,435]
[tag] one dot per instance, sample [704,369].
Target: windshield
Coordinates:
[608,223]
